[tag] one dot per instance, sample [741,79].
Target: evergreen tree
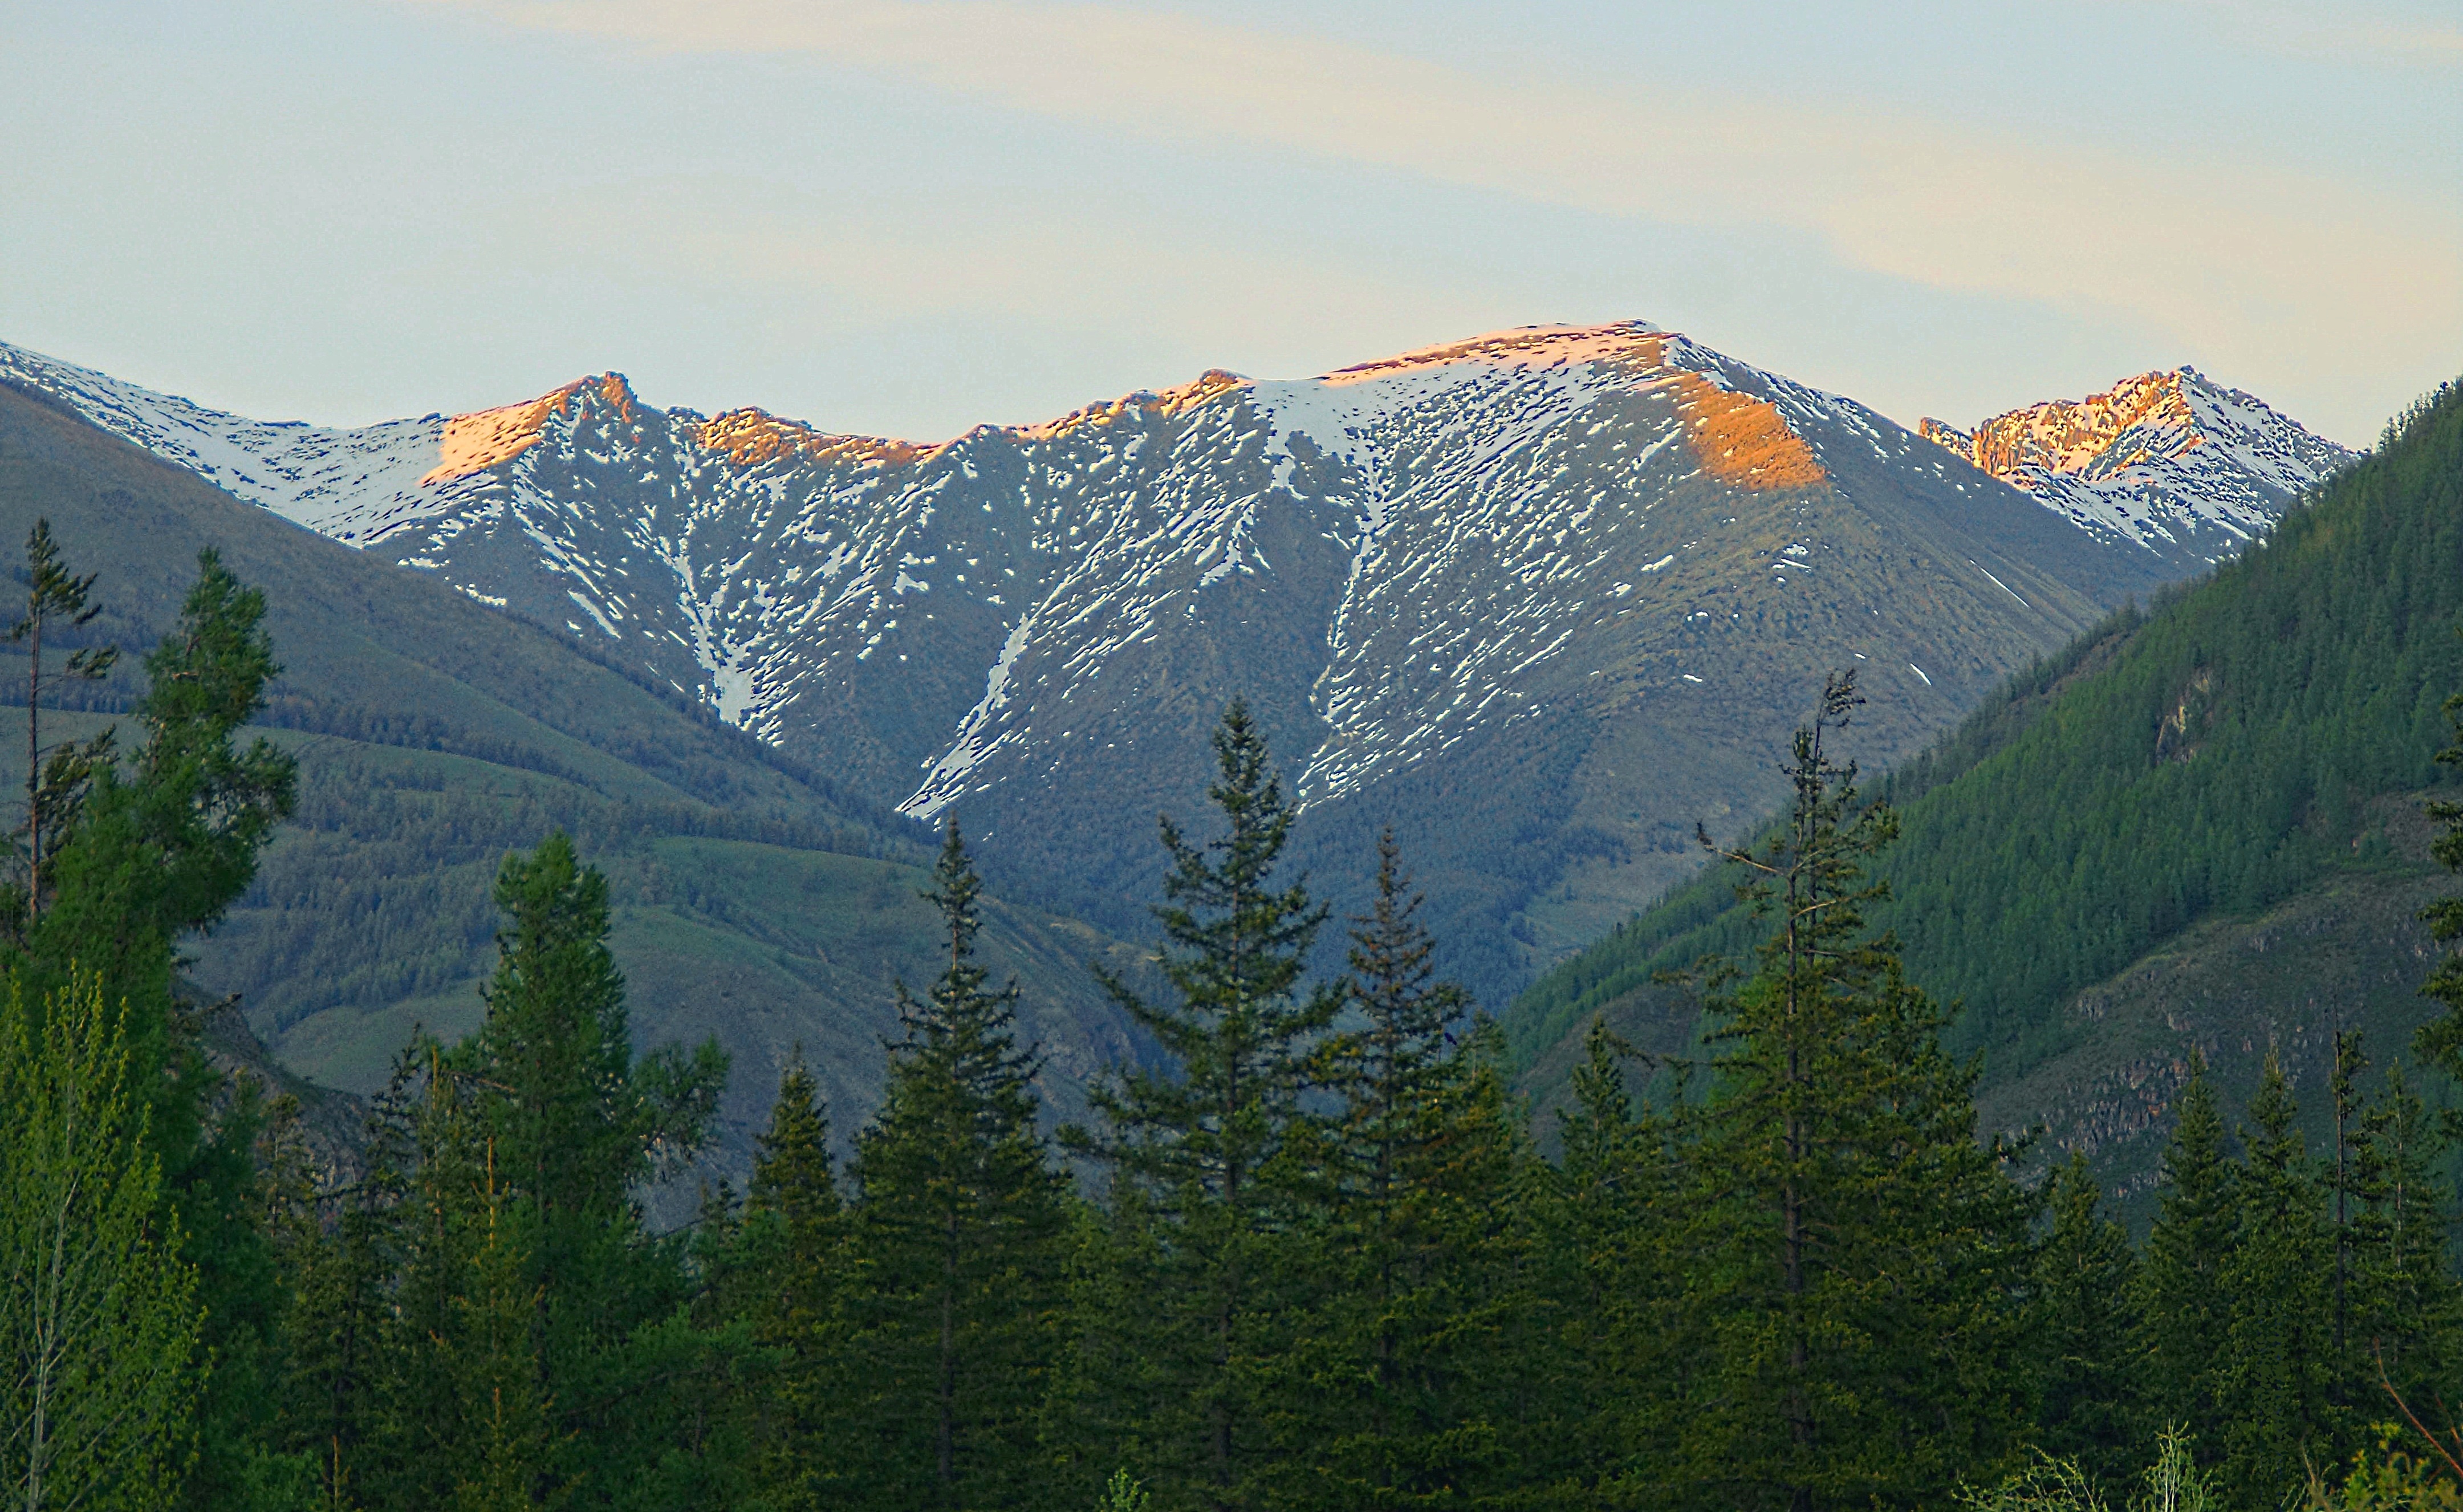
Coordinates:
[959,1230]
[1620,1346]
[2345,1172]
[2439,1043]
[1216,1147]
[1405,1368]
[162,845]
[98,1318]
[2276,1375]
[421,1438]
[2181,1274]
[55,599]
[2405,1312]
[1861,1254]
[794,1291]
[506,1460]
[571,1125]
[338,1267]
[2086,1332]
[542,1343]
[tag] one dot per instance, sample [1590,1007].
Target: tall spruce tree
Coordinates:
[1619,1347]
[959,1231]
[2087,1333]
[2181,1273]
[1862,1255]
[574,1123]
[2277,1381]
[794,1289]
[1404,1370]
[544,1343]
[1213,1150]
[2439,1043]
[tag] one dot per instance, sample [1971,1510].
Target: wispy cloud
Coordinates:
[2244,262]
[2354,32]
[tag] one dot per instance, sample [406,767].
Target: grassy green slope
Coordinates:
[753,901]
[2108,843]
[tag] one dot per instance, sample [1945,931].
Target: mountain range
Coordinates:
[1540,600]
[2195,836]
[753,898]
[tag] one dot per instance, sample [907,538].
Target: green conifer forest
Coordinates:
[1307,1251]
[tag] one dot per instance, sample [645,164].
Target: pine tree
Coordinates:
[2276,1381]
[2181,1273]
[55,599]
[2086,1332]
[98,1318]
[1210,1143]
[161,846]
[1862,1254]
[1405,1363]
[959,1230]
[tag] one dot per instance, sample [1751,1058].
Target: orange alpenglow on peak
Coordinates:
[1519,346]
[2063,435]
[1742,441]
[485,438]
[475,442]
[1165,401]
[751,437]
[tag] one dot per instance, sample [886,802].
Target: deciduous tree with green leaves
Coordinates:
[100,1323]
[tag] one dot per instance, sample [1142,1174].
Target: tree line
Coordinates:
[1306,1255]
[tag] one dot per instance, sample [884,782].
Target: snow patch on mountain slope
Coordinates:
[1485,506]
[356,486]
[2165,460]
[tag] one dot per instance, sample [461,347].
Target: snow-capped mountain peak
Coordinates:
[2171,460]
[1496,577]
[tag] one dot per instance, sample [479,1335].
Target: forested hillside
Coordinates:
[1320,1266]
[2197,829]
[751,898]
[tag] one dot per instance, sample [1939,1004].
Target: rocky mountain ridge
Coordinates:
[2172,461]
[1541,598]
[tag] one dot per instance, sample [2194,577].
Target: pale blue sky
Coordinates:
[908,218]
